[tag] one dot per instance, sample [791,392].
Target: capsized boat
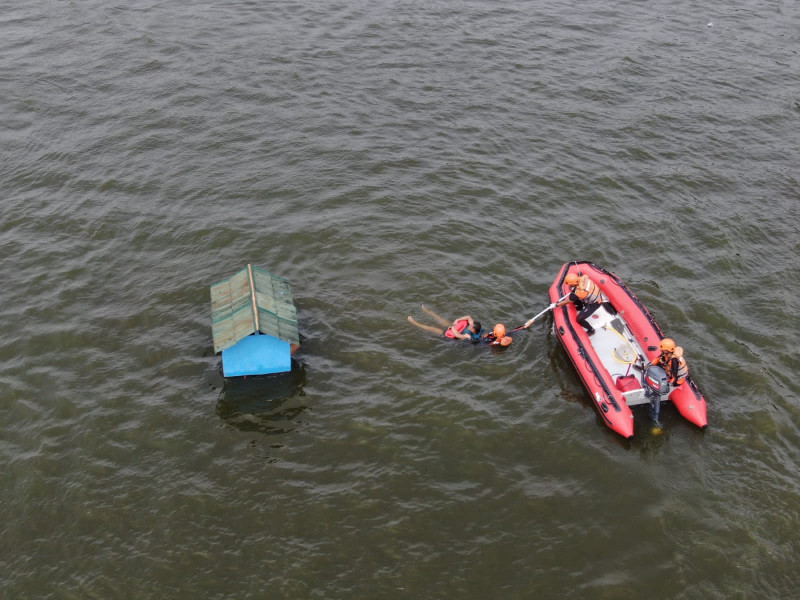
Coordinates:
[613,361]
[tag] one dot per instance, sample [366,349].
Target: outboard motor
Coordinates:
[655,380]
[656,385]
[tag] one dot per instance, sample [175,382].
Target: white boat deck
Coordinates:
[618,350]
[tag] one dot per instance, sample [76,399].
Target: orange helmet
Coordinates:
[668,345]
[572,279]
[499,331]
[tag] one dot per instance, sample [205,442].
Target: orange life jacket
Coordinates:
[676,364]
[682,372]
[588,291]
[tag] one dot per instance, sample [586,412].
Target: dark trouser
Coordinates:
[586,312]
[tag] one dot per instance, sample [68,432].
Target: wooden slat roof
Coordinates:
[252,300]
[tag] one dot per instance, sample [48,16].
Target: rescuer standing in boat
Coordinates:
[672,361]
[585,295]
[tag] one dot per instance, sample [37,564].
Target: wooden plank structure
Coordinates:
[254,323]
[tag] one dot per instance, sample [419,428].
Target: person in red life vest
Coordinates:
[462,328]
[498,336]
[672,361]
[585,295]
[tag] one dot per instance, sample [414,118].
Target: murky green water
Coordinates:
[381,156]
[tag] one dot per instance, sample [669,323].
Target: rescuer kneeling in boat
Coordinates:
[585,295]
[672,361]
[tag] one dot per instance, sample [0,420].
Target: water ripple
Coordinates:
[381,159]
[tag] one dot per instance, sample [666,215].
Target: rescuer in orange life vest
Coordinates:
[672,361]
[498,336]
[585,295]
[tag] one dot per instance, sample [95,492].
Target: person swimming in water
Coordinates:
[463,328]
[498,336]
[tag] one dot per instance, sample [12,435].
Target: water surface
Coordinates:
[382,156]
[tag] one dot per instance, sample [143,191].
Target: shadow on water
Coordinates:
[268,404]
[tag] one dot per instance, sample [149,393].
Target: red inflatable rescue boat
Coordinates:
[613,361]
